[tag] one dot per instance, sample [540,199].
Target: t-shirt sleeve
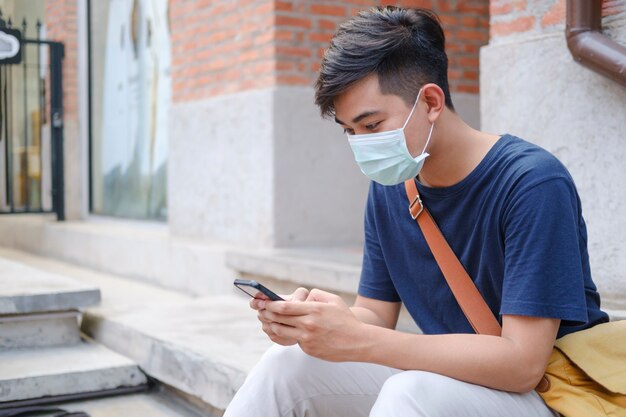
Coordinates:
[375,281]
[543,274]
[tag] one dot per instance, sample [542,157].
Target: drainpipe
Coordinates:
[589,45]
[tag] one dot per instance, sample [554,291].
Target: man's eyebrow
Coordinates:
[359,117]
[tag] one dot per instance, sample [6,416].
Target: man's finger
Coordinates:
[285,332]
[286,319]
[300,294]
[289,308]
[322,296]
[254,304]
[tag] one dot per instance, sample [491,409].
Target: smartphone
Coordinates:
[256,290]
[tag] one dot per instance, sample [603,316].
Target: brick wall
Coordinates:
[62,25]
[220,47]
[510,18]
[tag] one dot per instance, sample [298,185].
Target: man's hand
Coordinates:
[323,325]
[298,295]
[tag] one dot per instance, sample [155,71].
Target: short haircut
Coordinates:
[405,48]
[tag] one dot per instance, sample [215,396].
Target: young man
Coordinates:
[508,209]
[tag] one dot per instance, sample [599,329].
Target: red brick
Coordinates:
[283,35]
[284,6]
[521,24]
[478,7]
[261,10]
[293,51]
[454,74]
[320,37]
[448,20]
[265,37]
[555,15]
[248,56]
[285,66]
[262,67]
[326,24]
[469,35]
[465,88]
[293,80]
[470,21]
[428,4]
[327,10]
[470,75]
[613,7]
[502,7]
[471,62]
[293,21]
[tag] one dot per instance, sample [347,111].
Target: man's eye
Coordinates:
[348,131]
[372,126]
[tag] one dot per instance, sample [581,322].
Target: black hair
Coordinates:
[405,48]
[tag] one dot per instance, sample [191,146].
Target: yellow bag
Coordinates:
[587,372]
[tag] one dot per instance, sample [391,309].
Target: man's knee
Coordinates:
[414,393]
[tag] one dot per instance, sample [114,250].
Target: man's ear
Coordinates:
[435,100]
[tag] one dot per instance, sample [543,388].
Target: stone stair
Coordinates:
[201,347]
[197,351]
[42,355]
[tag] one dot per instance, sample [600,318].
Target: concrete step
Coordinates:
[39,330]
[24,290]
[336,269]
[47,372]
[204,348]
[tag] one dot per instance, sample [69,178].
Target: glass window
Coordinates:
[130,97]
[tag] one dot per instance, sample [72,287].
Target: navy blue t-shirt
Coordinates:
[515,223]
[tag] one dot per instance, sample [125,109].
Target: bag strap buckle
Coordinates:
[413,208]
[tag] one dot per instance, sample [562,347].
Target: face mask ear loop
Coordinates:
[413,109]
[429,135]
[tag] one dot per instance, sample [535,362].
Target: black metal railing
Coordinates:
[31,122]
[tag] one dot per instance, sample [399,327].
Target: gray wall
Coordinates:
[531,87]
[261,168]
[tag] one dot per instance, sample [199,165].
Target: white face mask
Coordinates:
[384,157]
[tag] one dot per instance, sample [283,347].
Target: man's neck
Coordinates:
[456,150]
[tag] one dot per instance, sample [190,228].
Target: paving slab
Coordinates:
[24,289]
[85,367]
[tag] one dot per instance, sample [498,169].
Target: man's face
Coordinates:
[364,109]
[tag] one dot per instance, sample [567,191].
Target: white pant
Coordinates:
[289,383]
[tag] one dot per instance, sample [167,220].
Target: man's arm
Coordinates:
[514,362]
[376,312]
[327,329]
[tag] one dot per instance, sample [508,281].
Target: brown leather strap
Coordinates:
[472,303]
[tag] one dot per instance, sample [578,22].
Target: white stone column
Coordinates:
[531,87]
